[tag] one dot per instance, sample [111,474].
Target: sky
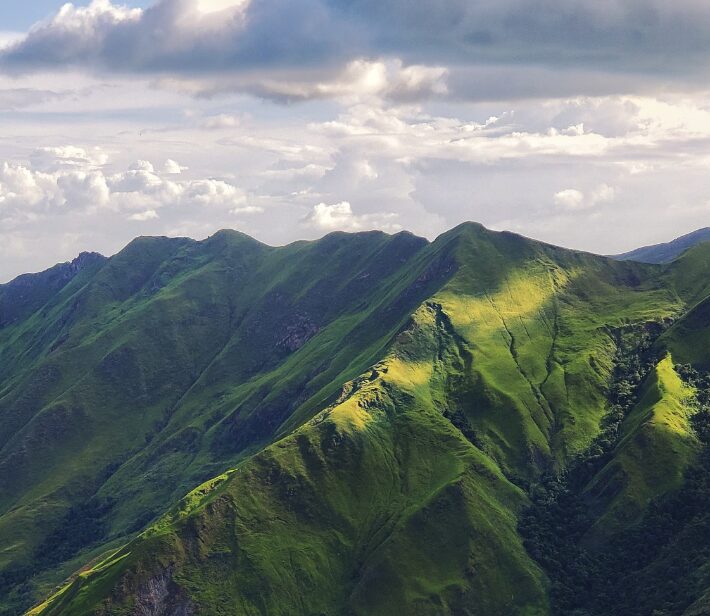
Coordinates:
[584,123]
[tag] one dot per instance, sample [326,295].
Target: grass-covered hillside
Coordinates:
[365,424]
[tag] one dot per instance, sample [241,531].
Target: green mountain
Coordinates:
[666,252]
[364,424]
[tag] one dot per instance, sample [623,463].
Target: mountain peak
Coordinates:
[468,227]
[85,259]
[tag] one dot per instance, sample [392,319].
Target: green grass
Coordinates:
[376,502]
[656,447]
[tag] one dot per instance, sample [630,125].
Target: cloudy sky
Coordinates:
[584,123]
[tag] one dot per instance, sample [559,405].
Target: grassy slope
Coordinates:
[502,373]
[120,381]
[345,515]
[541,339]
[656,447]
[689,338]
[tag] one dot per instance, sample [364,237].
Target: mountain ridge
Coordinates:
[221,233]
[666,251]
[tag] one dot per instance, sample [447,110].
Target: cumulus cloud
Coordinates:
[70,178]
[572,199]
[331,217]
[340,217]
[359,79]
[173,168]
[214,6]
[144,216]
[67,157]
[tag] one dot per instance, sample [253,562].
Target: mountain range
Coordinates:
[364,424]
[666,252]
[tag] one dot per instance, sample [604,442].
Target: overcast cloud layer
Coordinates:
[303,48]
[583,123]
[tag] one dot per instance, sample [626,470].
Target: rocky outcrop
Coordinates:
[297,333]
[29,292]
[160,596]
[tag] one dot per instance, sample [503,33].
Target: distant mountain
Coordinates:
[665,253]
[366,424]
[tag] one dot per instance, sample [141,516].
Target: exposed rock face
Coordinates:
[160,596]
[86,259]
[300,331]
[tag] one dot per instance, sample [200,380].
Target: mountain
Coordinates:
[665,253]
[27,293]
[363,424]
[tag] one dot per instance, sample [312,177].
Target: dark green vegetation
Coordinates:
[665,253]
[366,424]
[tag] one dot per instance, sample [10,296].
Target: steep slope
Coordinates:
[667,252]
[656,446]
[164,368]
[625,531]
[343,516]
[403,491]
[29,292]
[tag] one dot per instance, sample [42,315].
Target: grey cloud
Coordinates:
[632,33]
[173,37]
[493,49]
[20,98]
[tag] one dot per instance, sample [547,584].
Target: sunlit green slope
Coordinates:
[656,446]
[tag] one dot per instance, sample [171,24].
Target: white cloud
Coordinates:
[83,189]
[28,97]
[172,167]
[570,199]
[213,193]
[65,157]
[336,216]
[340,217]
[144,216]
[213,6]
[99,14]
[602,194]
[10,38]
[68,178]
[142,165]
[221,121]
[360,79]
[246,209]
